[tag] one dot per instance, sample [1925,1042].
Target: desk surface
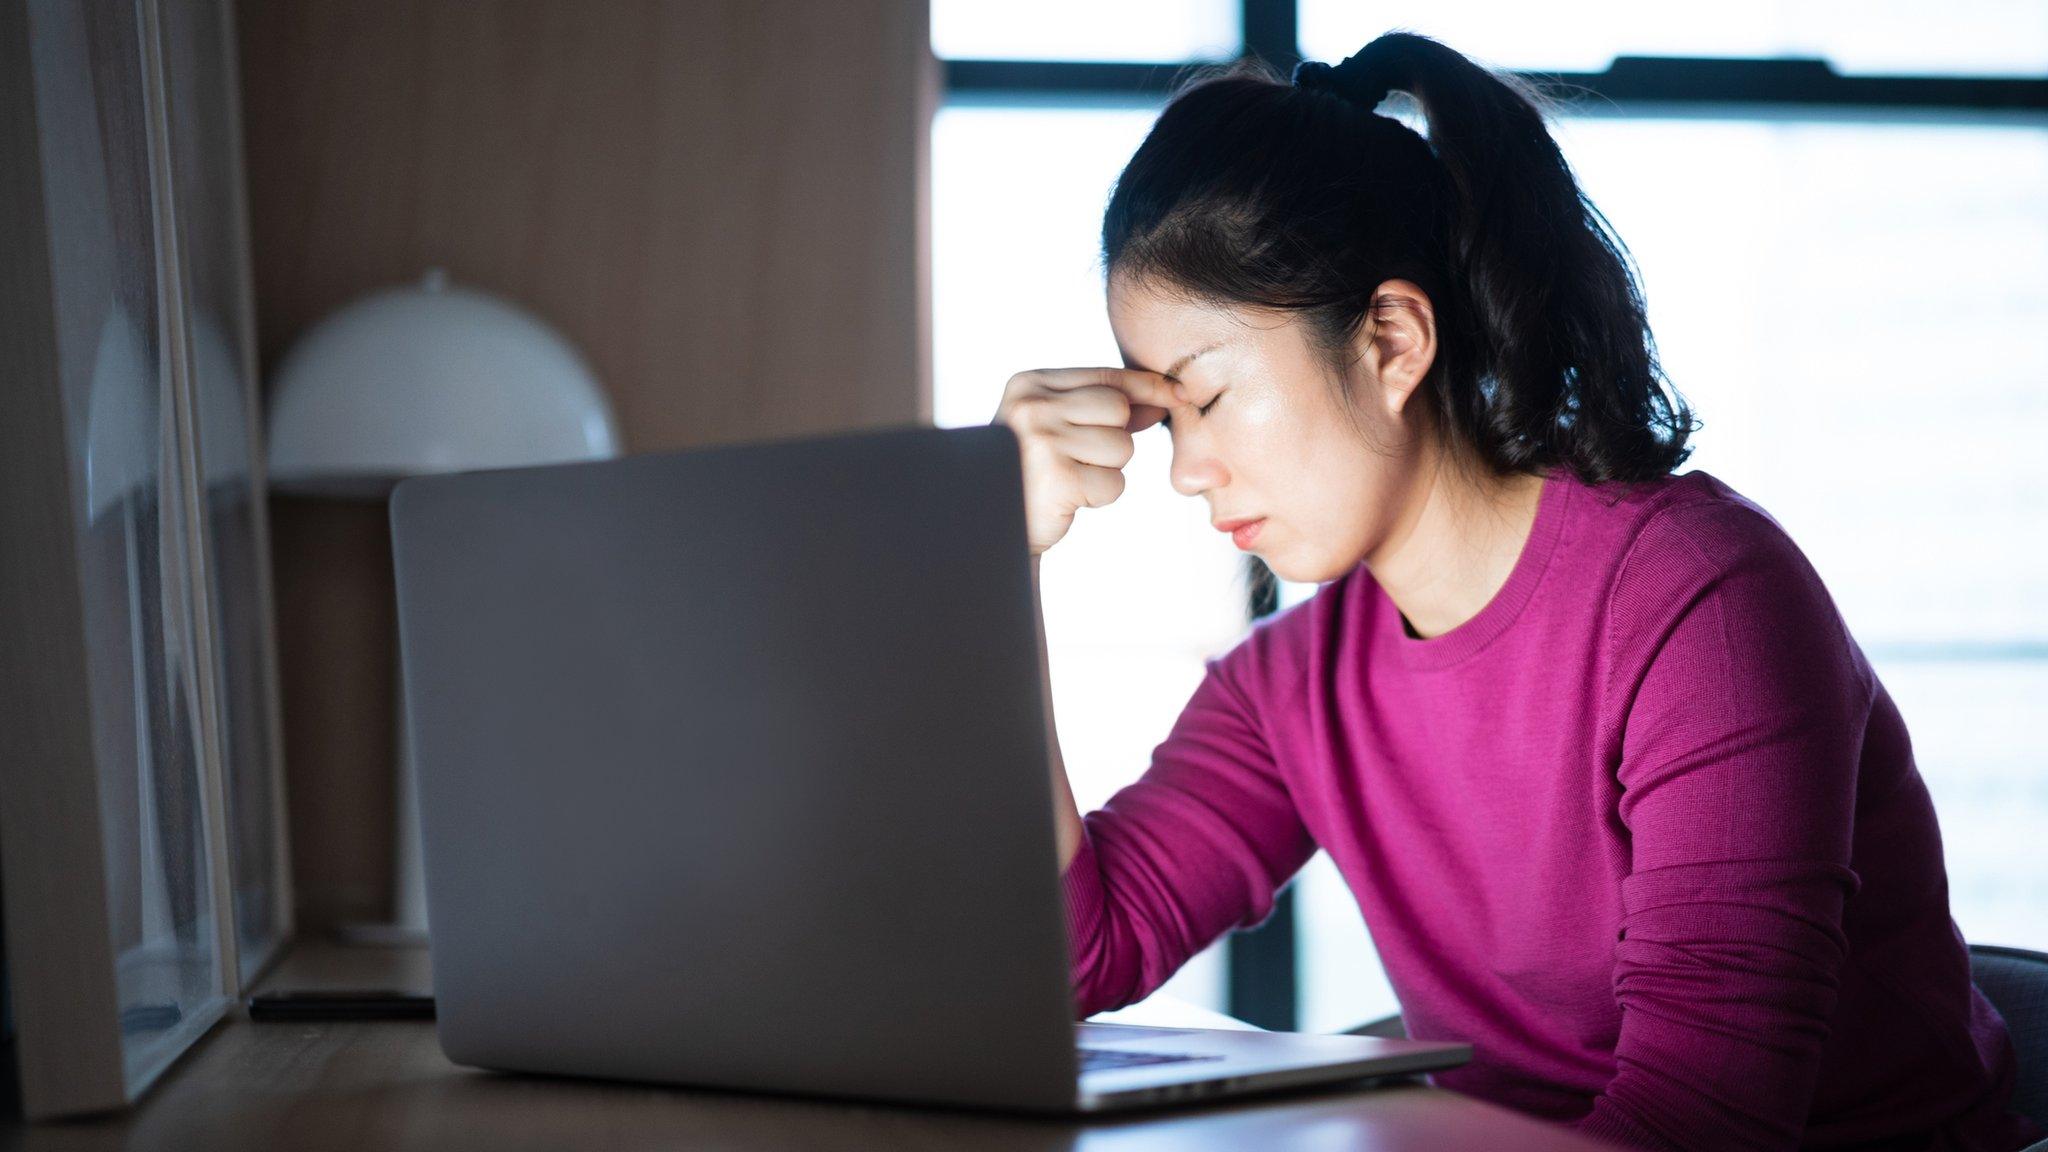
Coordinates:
[355,1087]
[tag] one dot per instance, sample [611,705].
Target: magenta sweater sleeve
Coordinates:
[1742,705]
[1196,846]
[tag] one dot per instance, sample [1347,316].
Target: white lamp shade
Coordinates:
[426,379]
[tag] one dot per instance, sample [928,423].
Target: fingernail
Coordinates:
[1180,394]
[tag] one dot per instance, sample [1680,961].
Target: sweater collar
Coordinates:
[1468,638]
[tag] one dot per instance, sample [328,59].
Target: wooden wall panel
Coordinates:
[723,203]
[337,620]
[720,202]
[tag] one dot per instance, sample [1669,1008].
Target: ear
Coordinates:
[1398,341]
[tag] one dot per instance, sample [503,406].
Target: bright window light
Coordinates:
[1140,592]
[1872,37]
[1139,31]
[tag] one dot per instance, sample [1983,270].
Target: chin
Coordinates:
[1294,569]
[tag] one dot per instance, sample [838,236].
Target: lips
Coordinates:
[1242,532]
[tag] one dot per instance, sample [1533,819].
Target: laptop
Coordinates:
[732,773]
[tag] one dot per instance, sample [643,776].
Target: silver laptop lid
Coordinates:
[732,769]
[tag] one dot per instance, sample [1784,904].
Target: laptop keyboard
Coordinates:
[1097,1059]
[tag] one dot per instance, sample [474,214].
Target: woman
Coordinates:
[1621,800]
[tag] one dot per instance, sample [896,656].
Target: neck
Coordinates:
[1454,543]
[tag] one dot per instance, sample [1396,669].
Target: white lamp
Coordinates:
[432,378]
[417,380]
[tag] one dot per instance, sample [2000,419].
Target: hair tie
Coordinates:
[1349,80]
[1312,74]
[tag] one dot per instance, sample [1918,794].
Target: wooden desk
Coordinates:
[358,1087]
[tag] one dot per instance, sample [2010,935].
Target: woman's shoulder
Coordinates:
[1679,530]
[1632,507]
[1694,540]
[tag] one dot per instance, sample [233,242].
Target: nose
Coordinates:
[1195,470]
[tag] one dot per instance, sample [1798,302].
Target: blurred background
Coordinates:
[1840,213]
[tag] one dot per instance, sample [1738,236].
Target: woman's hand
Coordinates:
[1074,427]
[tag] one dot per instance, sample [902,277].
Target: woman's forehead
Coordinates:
[1154,329]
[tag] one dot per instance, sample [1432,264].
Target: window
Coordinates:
[1857,37]
[1163,31]
[1855,301]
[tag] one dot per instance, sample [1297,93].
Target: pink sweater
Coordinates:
[1646,832]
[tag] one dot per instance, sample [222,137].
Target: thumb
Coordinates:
[1151,396]
[1149,388]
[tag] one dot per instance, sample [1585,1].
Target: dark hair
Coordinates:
[1300,197]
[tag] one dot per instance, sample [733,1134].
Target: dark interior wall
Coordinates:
[722,203]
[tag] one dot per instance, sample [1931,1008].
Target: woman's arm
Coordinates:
[1742,736]
[1195,847]
[1066,816]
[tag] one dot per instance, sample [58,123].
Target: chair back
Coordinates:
[2015,980]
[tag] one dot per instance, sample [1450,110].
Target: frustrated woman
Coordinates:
[1619,796]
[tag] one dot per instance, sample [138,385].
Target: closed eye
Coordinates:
[1167,421]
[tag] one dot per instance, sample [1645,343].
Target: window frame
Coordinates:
[1272,31]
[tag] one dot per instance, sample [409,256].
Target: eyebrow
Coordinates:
[1174,370]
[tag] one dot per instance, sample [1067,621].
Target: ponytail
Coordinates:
[1257,192]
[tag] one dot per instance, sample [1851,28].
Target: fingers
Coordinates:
[1089,444]
[1102,405]
[1090,404]
[1143,416]
[1074,428]
[1137,385]
[1100,486]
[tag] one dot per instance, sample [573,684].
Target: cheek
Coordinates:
[1302,458]
[1341,487]
[1273,437]
[1333,466]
